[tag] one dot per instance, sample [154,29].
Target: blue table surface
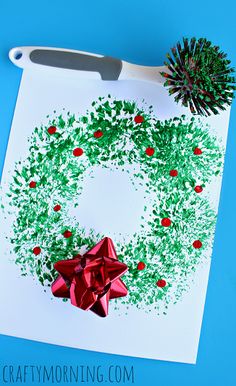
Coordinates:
[141,32]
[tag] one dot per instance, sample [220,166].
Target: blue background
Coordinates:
[141,32]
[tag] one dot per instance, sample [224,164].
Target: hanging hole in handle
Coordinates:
[17,55]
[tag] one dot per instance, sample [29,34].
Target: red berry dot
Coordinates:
[161,283]
[52,130]
[173,173]
[166,222]
[197,151]
[138,119]
[57,208]
[150,151]
[32,184]
[141,265]
[36,251]
[98,134]
[198,189]
[67,234]
[78,152]
[197,244]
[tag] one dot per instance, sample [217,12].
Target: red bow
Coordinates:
[91,280]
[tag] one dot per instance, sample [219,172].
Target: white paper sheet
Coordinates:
[29,312]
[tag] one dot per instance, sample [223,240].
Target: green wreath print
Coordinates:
[174,160]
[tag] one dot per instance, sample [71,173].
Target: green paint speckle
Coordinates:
[167,252]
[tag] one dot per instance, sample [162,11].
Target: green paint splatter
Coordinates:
[167,251]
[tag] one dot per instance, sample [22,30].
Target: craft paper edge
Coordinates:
[11,133]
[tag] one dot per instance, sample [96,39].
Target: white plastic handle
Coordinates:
[96,66]
[20,56]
